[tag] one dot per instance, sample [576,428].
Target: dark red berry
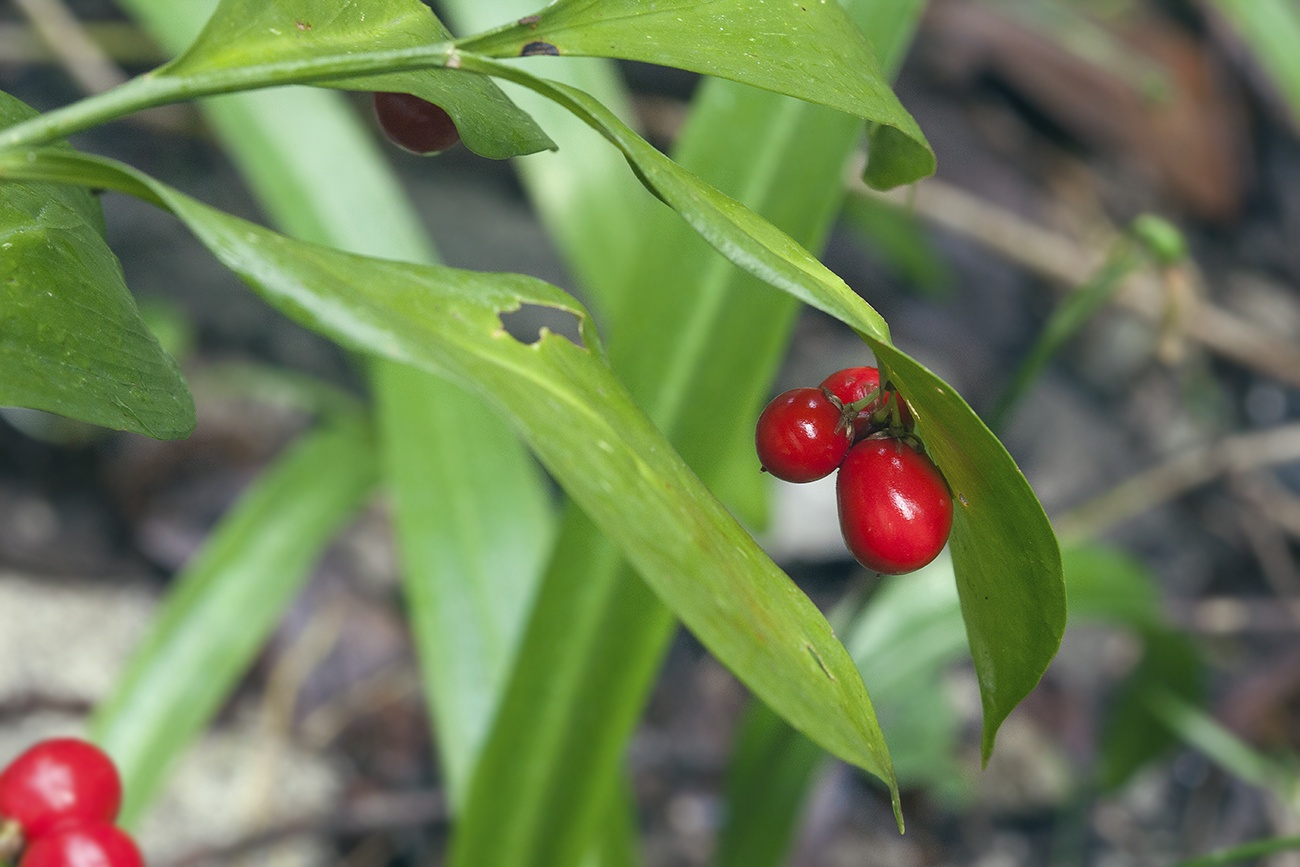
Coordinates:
[415,124]
[801,435]
[57,783]
[94,845]
[853,384]
[895,507]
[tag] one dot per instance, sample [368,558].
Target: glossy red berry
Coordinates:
[415,124]
[59,782]
[895,507]
[94,845]
[801,435]
[853,384]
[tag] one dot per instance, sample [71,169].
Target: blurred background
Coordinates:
[1160,427]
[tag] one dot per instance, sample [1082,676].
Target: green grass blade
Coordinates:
[318,173]
[562,398]
[697,341]
[476,528]
[226,603]
[1245,852]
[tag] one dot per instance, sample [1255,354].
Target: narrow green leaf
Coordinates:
[748,240]
[71,339]
[1005,555]
[1074,312]
[1245,852]
[476,527]
[696,341]
[810,50]
[320,176]
[566,402]
[1204,733]
[227,601]
[250,33]
[1133,736]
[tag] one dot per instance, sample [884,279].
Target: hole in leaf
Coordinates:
[526,323]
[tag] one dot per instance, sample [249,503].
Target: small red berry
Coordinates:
[801,435]
[92,845]
[895,507]
[853,384]
[415,124]
[59,782]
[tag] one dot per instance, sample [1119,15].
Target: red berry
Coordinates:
[801,435]
[58,782]
[895,507]
[851,385]
[93,845]
[415,124]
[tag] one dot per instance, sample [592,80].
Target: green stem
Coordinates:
[161,87]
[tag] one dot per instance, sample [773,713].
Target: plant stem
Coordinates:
[162,87]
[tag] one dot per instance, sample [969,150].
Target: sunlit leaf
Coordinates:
[72,341]
[249,33]
[810,50]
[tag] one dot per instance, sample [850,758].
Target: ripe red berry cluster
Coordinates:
[58,802]
[894,504]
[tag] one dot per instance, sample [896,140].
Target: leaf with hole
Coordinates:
[567,404]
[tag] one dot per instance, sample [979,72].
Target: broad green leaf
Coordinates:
[320,176]
[811,50]
[566,402]
[226,603]
[71,339]
[1005,555]
[250,33]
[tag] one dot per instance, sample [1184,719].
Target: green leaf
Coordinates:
[1005,555]
[251,33]
[566,402]
[226,603]
[745,238]
[476,528]
[319,174]
[696,341]
[71,339]
[809,50]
